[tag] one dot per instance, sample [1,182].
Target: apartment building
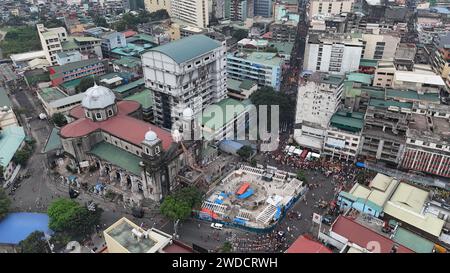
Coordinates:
[193,12]
[264,68]
[317,101]
[332,7]
[332,53]
[381,46]
[263,8]
[283,31]
[190,72]
[110,39]
[51,41]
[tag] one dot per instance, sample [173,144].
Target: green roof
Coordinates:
[128,62]
[53,141]
[265,58]
[412,95]
[118,157]
[360,77]
[368,63]
[413,241]
[69,44]
[353,122]
[233,84]
[388,103]
[73,83]
[129,86]
[247,84]
[144,37]
[4,99]
[215,121]
[282,47]
[11,138]
[188,48]
[145,98]
[373,92]
[50,94]
[86,39]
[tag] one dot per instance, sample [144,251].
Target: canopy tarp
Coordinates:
[246,194]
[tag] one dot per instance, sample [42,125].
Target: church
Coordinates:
[141,158]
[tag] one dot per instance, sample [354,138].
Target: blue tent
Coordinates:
[218,201]
[249,192]
[17,226]
[360,164]
[72,178]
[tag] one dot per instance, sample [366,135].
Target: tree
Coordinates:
[5,202]
[59,119]
[245,152]
[180,204]
[100,21]
[84,84]
[21,157]
[226,247]
[301,176]
[240,34]
[34,243]
[272,50]
[71,218]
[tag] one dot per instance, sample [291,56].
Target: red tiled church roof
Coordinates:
[362,236]
[305,245]
[122,126]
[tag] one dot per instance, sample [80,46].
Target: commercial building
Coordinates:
[193,12]
[283,31]
[76,70]
[236,10]
[264,68]
[427,141]
[63,58]
[240,90]
[317,101]
[190,72]
[128,64]
[110,39]
[380,46]
[384,134]
[407,207]
[343,135]
[332,53]
[369,200]
[420,82]
[332,7]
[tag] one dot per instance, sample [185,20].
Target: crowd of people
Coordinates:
[268,242]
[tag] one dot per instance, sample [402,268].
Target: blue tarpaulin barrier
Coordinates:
[239,221]
[218,201]
[246,194]
[277,214]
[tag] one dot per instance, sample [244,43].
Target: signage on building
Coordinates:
[338,143]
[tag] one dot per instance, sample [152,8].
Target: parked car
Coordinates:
[327,219]
[217,226]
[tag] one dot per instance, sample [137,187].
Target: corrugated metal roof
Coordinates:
[10,140]
[188,48]
[413,241]
[118,157]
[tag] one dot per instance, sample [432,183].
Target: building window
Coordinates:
[98,115]
[110,112]
[147,151]
[157,149]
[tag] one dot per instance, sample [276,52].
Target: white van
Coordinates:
[216,226]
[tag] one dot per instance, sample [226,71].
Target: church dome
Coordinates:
[98,97]
[150,136]
[188,113]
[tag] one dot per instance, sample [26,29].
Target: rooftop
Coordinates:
[362,235]
[4,99]
[406,205]
[360,77]
[348,121]
[127,61]
[129,86]
[117,157]
[50,94]
[388,103]
[413,241]
[305,245]
[120,238]
[230,108]
[53,141]
[11,137]
[265,58]
[411,95]
[73,66]
[412,76]
[188,48]
[430,127]
[145,98]
[368,63]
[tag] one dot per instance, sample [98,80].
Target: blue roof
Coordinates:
[17,226]
[188,48]
[10,140]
